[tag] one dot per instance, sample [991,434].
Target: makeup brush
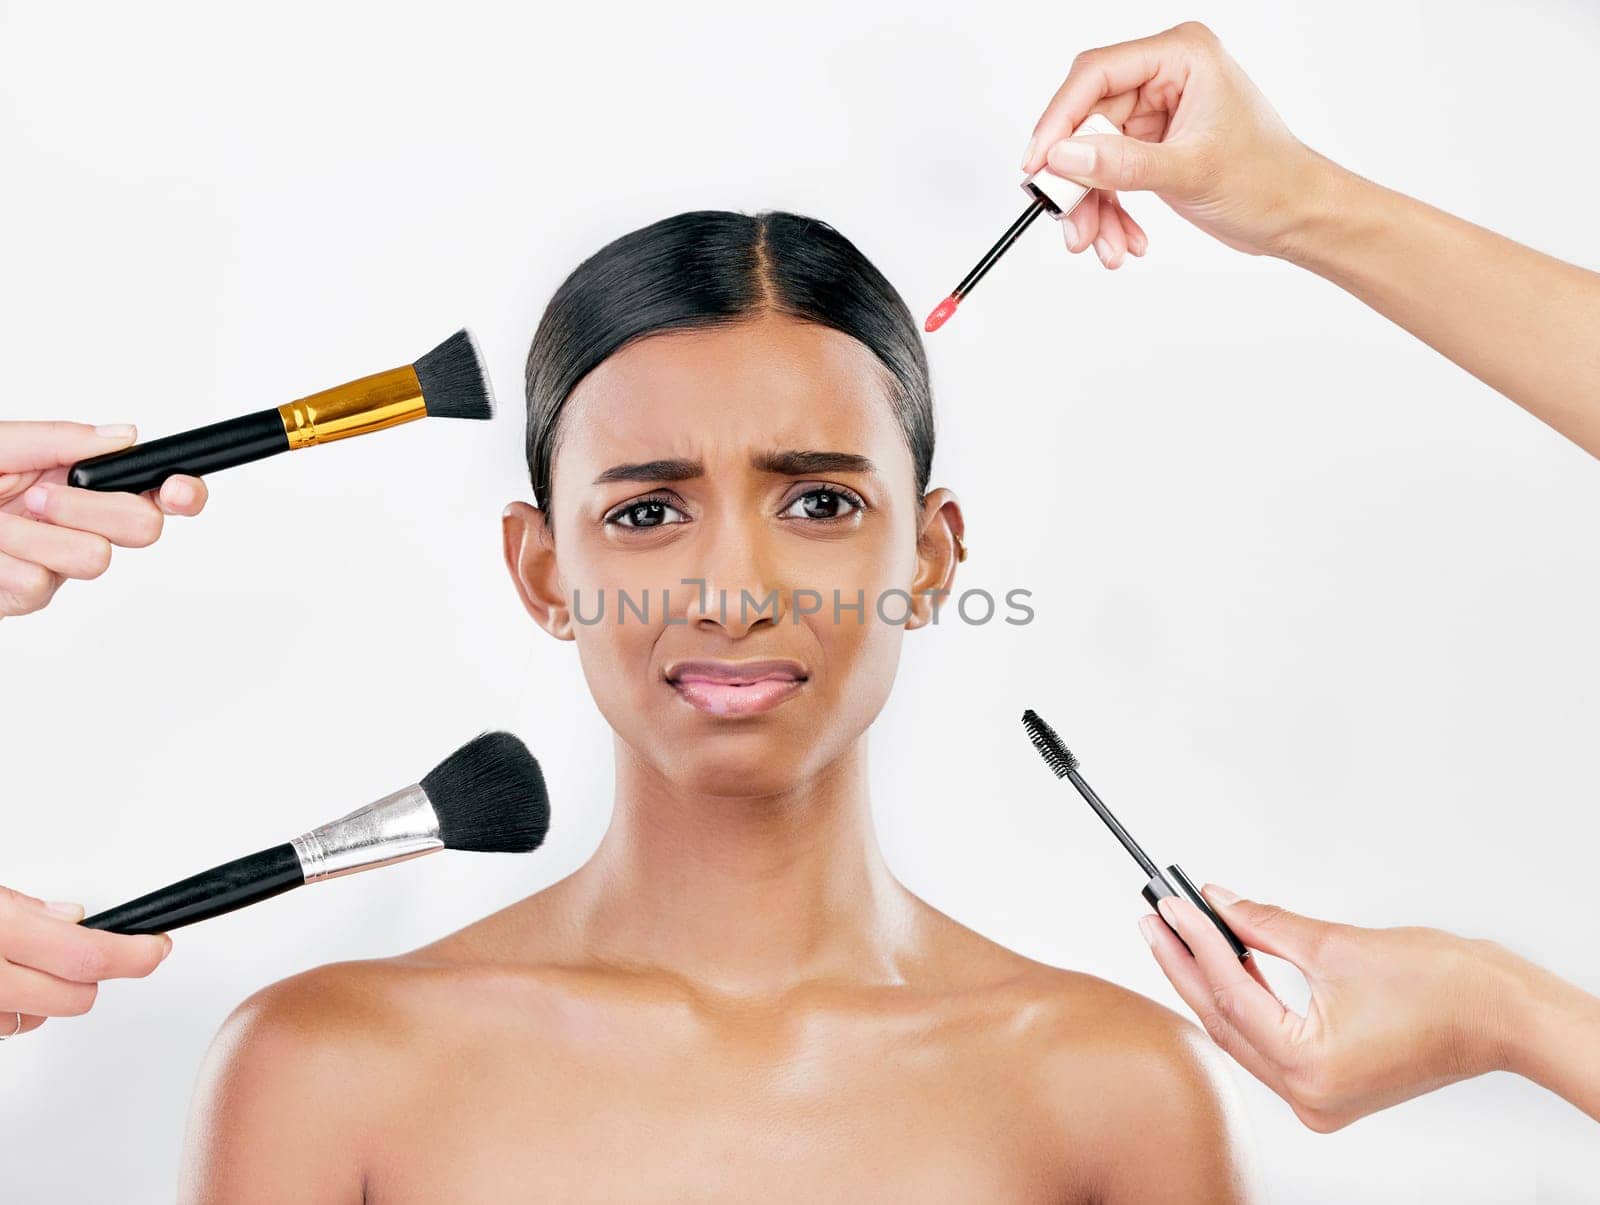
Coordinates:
[449,382]
[1047,193]
[488,796]
[1171,881]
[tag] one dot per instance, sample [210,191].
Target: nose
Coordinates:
[732,581]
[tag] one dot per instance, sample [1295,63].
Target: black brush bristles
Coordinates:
[455,383]
[1050,746]
[489,796]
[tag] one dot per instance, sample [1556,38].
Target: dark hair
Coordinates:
[712,267]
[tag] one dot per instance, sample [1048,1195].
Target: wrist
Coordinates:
[1321,213]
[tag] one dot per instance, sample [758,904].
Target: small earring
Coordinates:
[961,548]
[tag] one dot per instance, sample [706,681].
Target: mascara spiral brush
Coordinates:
[488,796]
[1163,883]
[449,382]
[1047,193]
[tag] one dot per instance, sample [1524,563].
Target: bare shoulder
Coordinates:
[1123,1083]
[307,1077]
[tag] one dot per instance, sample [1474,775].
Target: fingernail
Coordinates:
[1166,907]
[182,493]
[1103,250]
[1138,245]
[167,949]
[114,430]
[506,514]
[1147,929]
[36,498]
[1027,155]
[1220,895]
[63,908]
[1070,157]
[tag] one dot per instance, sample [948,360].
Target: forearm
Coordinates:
[1553,1033]
[1523,322]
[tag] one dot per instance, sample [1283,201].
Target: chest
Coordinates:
[665,1115]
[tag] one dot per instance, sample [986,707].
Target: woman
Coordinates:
[734,998]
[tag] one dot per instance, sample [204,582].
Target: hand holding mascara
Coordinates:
[449,382]
[488,796]
[1162,883]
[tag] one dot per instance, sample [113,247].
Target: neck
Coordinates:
[745,894]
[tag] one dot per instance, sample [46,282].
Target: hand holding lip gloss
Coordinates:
[1046,194]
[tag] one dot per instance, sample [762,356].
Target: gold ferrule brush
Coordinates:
[448,382]
[385,399]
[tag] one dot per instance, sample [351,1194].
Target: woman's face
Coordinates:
[732,483]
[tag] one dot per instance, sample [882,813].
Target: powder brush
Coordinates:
[488,796]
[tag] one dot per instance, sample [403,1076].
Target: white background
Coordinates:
[1315,608]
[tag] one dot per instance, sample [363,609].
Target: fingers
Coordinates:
[128,520]
[34,939]
[1116,161]
[1138,241]
[1101,222]
[1181,970]
[1094,76]
[25,990]
[24,586]
[1082,226]
[1267,927]
[62,550]
[1235,997]
[182,495]
[29,446]
[1112,245]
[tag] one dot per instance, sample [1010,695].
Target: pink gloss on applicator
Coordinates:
[1047,193]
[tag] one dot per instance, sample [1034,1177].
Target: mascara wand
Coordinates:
[1162,883]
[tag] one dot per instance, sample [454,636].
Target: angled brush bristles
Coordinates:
[489,796]
[1050,746]
[455,383]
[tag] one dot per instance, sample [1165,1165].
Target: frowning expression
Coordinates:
[723,498]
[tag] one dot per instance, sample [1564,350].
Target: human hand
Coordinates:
[50,966]
[1393,1013]
[49,530]
[1196,132]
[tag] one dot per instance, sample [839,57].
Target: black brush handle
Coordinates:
[203,450]
[210,893]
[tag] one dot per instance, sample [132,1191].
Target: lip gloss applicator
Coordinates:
[1047,193]
[1172,880]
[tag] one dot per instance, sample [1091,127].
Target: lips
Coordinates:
[734,688]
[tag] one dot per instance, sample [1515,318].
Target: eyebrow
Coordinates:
[787,462]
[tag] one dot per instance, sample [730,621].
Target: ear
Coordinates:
[531,557]
[940,523]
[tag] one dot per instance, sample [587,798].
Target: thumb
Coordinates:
[1268,927]
[29,446]
[1118,162]
[67,911]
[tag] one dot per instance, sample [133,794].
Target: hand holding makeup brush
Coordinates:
[1394,1013]
[51,966]
[50,531]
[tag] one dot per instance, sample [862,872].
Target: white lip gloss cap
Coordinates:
[1064,194]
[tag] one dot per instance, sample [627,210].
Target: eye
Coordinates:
[645,512]
[825,503]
